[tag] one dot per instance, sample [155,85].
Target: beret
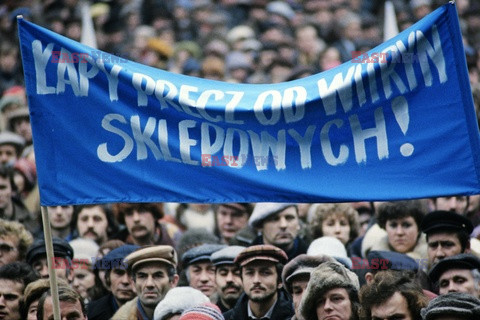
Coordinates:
[118,254]
[460,261]
[441,220]
[85,249]
[200,253]
[226,255]
[261,252]
[456,304]
[61,248]
[332,247]
[327,276]
[301,265]
[395,260]
[7,137]
[263,210]
[164,254]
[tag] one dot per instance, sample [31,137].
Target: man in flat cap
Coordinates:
[448,234]
[199,269]
[119,282]
[264,298]
[279,225]
[63,255]
[459,273]
[227,277]
[296,274]
[154,273]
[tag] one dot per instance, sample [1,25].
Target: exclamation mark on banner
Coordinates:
[400,110]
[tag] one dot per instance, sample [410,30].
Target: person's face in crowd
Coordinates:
[32,310]
[396,307]
[83,279]
[8,154]
[458,280]
[202,277]
[140,224]
[10,295]
[8,249]
[334,304]
[229,283]
[299,285]
[230,219]
[260,281]
[68,310]
[152,283]
[22,127]
[60,216]
[402,234]
[92,224]
[5,193]
[337,226]
[41,268]
[121,285]
[456,204]
[442,245]
[281,229]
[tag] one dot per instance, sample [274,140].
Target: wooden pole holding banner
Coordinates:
[51,272]
[49,249]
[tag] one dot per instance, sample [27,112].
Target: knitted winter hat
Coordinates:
[177,300]
[207,311]
[327,276]
[456,304]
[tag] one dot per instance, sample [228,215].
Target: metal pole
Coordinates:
[51,272]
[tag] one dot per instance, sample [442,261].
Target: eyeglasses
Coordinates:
[6,248]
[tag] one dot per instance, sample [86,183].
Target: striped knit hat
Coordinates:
[207,311]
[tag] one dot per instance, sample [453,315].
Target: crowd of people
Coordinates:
[412,259]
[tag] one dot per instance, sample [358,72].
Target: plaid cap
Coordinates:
[226,255]
[164,254]
[264,252]
[200,253]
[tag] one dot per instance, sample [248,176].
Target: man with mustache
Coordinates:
[142,221]
[94,222]
[260,268]
[119,283]
[154,273]
[227,277]
[279,226]
[448,234]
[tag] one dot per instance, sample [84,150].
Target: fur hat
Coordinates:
[327,276]
[301,264]
[456,304]
[177,300]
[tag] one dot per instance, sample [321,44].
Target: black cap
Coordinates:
[61,248]
[463,261]
[392,260]
[446,220]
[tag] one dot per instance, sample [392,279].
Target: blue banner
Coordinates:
[395,123]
